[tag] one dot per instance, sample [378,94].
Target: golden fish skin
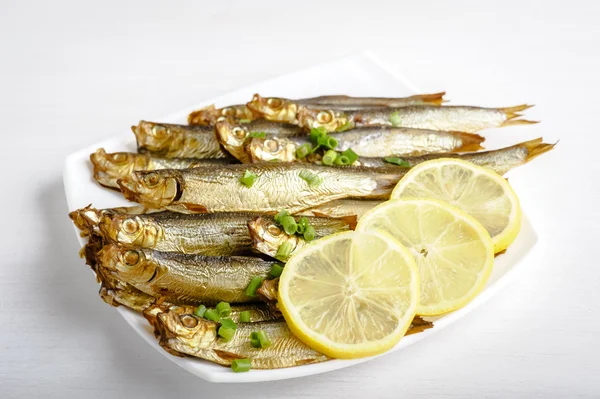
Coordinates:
[110,167]
[210,115]
[286,110]
[206,234]
[186,334]
[366,142]
[267,235]
[450,118]
[233,135]
[184,278]
[277,186]
[342,208]
[177,141]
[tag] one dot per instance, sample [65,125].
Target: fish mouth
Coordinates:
[258,104]
[159,195]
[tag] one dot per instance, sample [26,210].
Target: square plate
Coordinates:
[368,77]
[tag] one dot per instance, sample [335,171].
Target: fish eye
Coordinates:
[151,179]
[324,117]
[275,102]
[130,226]
[274,230]
[239,133]
[119,157]
[131,257]
[159,131]
[188,321]
[272,145]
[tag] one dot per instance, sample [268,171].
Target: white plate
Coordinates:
[357,75]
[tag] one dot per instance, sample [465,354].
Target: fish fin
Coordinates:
[385,183]
[227,356]
[351,221]
[470,142]
[434,98]
[513,112]
[514,122]
[536,148]
[418,325]
[194,208]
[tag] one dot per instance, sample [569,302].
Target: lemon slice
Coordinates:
[454,253]
[350,294]
[480,192]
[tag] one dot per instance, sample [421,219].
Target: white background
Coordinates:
[72,74]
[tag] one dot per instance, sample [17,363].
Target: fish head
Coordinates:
[153,136]
[271,149]
[315,118]
[115,165]
[86,219]
[132,231]
[154,189]
[183,327]
[267,236]
[274,108]
[130,264]
[232,136]
[204,116]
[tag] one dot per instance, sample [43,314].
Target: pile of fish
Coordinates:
[208,193]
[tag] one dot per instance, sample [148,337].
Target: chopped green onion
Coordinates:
[241,365]
[245,316]
[212,314]
[311,178]
[397,161]
[260,135]
[245,121]
[254,340]
[263,339]
[223,308]
[327,142]
[395,119]
[344,127]
[226,333]
[342,160]
[284,251]
[310,233]
[329,157]
[302,224]
[351,155]
[228,323]
[248,179]
[317,132]
[289,224]
[283,213]
[253,286]
[200,310]
[303,151]
[276,270]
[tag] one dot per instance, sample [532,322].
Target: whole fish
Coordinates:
[286,110]
[342,208]
[108,168]
[366,142]
[267,235]
[210,115]
[450,118]
[178,141]
[186,334]
[275,186]
[233,135]
[184,278]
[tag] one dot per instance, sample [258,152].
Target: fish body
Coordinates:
[267,235]
[233,135]
[450,118]
[178,141]
[110,167]
[286,110]
[186,334]
[184,278]
[342,208]
[210,115]
[276,186]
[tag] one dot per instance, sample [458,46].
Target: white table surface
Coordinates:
[72,74]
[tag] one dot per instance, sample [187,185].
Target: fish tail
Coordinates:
[470,142]
[514,122]
[434,98]
[514,112]
[536,147]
